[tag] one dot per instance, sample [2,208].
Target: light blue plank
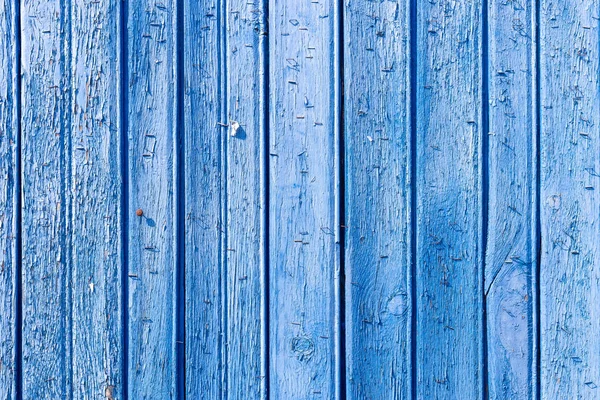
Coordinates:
[9,194]
[303,192]
[511,257]
[449,266]
[152,113]
[245,174]
[570,120]
[377,138]
[46,162]
[205,135]
[96,200]
[225,235]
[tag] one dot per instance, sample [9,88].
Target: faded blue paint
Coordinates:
[303,218]
[449,201]
[569,197]
[377,125]
[511,259]
[9,206]
[299,199]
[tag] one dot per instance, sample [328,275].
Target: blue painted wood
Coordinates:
[96,200]
[449,268]
[71,194]
[570,120]
[152,134]
[233,266]
[225,193]
[245,220]
[9,194]
[204,140]
[377,138]
[511,259]
[47,195]
[303,194]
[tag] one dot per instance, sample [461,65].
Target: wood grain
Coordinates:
[449,268]
[570,118]
[9,195]
[47,195]
[377,146]
[511,257]
[190,182]
[303,192]
[204,198]
[152,124]
[225,199]
[245,174]
[96,200]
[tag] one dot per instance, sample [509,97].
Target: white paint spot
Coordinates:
[91,285]
[234,127]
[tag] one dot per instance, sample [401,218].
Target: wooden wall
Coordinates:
[299,199]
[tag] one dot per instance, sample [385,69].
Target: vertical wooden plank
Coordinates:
[225,235]
[245,199]
[9,195]
[511,257]
[304,255]
[377,138]
[152,113]
[570,120]
[449,200]
[46,149]
[204,231]
[96,199]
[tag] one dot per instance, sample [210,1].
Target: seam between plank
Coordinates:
[485,189]
[124,154]
[222,99]
[18,352]
[536,367]
[265,176]
[340,208]
[413,26]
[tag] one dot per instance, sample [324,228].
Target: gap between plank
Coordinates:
[222,96]
[537,213]
[413,51]
[341,199]
[18,354]
[485,186]
[124,144]
[265,162]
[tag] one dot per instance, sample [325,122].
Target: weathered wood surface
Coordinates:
[204,138]
[47,195]
[152,170]
[303,253]
[378,198]
[337,199]
[225,136]
[96,191]
[511,257]
[450,217]
[204,112]
[245,221]
[570,118]
[9,199]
